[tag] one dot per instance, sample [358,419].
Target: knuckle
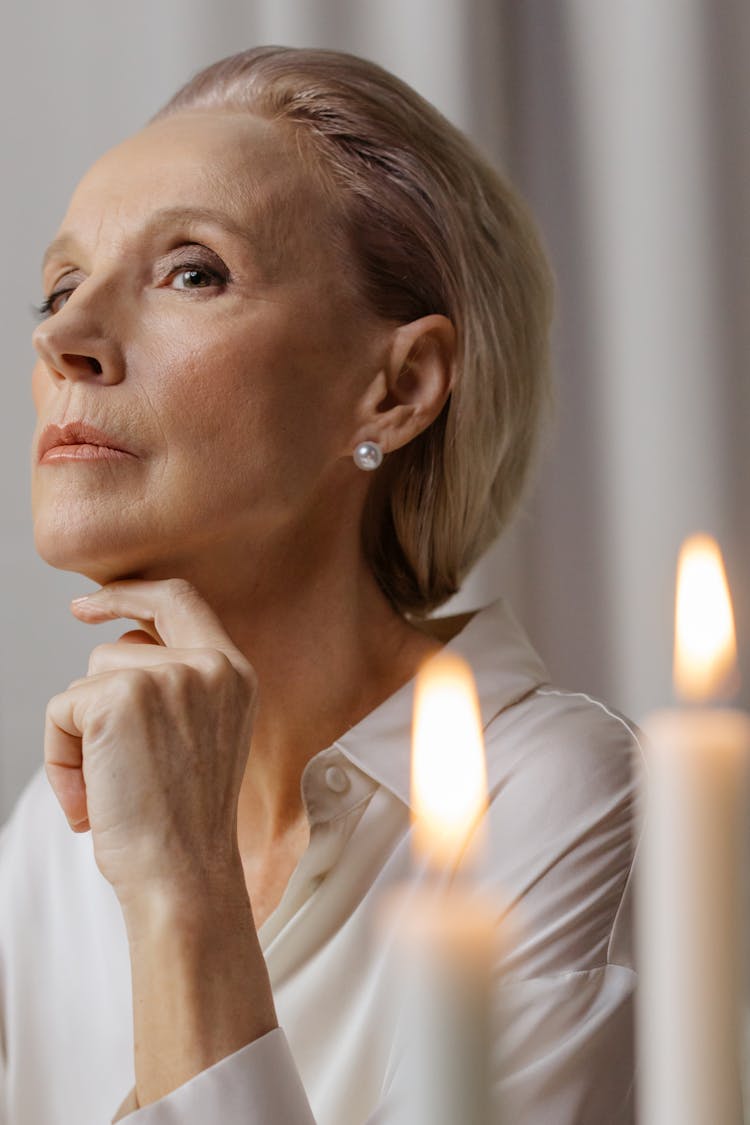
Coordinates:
[244,674]
[246,686]
[56,700]
[99,659]
[216,664]
[180,590]
[248,675]
[132,683]
[219,671]
[176,674]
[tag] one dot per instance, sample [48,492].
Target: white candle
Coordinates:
[689,892]
[447,935]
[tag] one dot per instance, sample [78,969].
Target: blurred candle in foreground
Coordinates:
[448,770]
[689,923]
[447,933]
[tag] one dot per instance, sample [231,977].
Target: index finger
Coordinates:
[170,610]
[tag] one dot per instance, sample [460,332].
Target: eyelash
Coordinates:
[45,309]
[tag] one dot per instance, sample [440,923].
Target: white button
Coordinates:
[336,779]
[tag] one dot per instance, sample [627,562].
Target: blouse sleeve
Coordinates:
[563,828]
[566,1056]
[568,814]
[257,1085]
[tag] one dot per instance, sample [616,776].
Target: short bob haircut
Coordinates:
[431,228]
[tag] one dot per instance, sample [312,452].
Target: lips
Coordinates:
[77,433]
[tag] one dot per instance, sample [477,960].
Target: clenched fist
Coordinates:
[149,749]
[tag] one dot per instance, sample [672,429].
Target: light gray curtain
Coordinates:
[625,128]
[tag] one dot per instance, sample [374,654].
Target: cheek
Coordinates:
[202,388]
[266,379]
[40,385]
[230,413]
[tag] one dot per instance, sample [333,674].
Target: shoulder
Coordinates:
[565,773]
[535,730]
[567,745]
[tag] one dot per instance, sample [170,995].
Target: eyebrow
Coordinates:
[175,215]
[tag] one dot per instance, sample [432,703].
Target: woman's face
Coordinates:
[205,322]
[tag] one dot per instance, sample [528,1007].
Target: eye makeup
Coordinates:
[191,257]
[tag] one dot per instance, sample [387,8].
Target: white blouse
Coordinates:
[564,774]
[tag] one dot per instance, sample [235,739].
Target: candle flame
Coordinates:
[705,647]
[449,777]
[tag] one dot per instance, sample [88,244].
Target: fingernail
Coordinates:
[86,597]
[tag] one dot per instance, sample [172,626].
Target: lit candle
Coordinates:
[448,770]
[689,890]
[446,932]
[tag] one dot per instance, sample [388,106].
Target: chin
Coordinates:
[97,553]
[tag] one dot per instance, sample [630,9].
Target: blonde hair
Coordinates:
[433,228]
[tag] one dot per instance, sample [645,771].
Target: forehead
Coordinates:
[236,165]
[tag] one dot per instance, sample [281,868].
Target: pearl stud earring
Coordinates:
[368,455]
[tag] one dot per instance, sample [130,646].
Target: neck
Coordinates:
[327,648]
[322,667]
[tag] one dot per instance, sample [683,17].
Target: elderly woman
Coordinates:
[290,370]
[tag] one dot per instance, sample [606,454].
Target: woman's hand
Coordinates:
[149,749]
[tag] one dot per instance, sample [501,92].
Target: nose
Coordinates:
[73,346]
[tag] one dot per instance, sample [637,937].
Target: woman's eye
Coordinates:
[187,277]
[51,304]
[195,277]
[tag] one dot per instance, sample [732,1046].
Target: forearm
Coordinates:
[200,984]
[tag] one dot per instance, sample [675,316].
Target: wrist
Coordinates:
[200,984]
[187,906]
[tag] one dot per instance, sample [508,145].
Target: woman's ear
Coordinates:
[412,386]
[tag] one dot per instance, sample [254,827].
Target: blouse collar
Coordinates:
[506,668]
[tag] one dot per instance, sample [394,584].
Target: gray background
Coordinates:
[625,128]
